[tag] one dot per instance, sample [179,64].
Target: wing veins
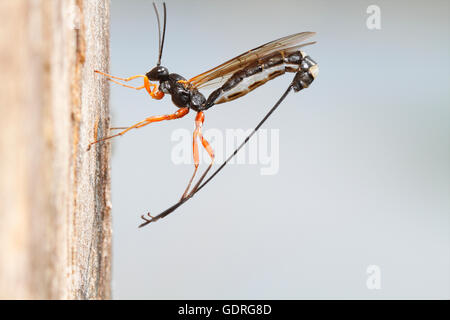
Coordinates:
[241,61]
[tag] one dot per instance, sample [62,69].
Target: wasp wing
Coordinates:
[222,72]
[220,80]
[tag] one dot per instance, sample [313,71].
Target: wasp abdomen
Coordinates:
[258,73]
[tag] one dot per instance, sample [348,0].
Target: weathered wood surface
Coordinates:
[55,224]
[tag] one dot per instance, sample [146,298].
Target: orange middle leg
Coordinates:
[179,114]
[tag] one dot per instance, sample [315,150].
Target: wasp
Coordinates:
[232,79]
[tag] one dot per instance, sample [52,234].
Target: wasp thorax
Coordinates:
[158,73]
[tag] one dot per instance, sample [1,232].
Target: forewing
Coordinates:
[222,72]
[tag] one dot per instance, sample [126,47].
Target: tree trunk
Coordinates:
[55,224]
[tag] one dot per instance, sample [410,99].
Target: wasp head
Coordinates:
[158,73]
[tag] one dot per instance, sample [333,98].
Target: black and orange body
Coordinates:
[232,79]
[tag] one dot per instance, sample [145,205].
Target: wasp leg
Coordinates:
[189,184]
[199,119]
[179,114]
[151,88]
[126,86]
[198,124]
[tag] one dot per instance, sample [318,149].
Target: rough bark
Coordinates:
[55,224]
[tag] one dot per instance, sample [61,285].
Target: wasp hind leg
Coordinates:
[179,114]
[199,119]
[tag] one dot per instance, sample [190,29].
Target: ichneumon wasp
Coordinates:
[233,79]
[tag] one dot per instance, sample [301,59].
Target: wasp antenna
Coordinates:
[161,41]
[163,34]
[159,32]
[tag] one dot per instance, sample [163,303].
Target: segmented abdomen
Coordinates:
[253,76]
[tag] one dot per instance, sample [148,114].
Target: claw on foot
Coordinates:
[147,221]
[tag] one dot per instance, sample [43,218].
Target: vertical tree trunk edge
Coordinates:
[55,211]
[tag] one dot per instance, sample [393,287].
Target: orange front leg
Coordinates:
[151,88]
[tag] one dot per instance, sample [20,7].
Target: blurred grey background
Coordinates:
[364,174]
